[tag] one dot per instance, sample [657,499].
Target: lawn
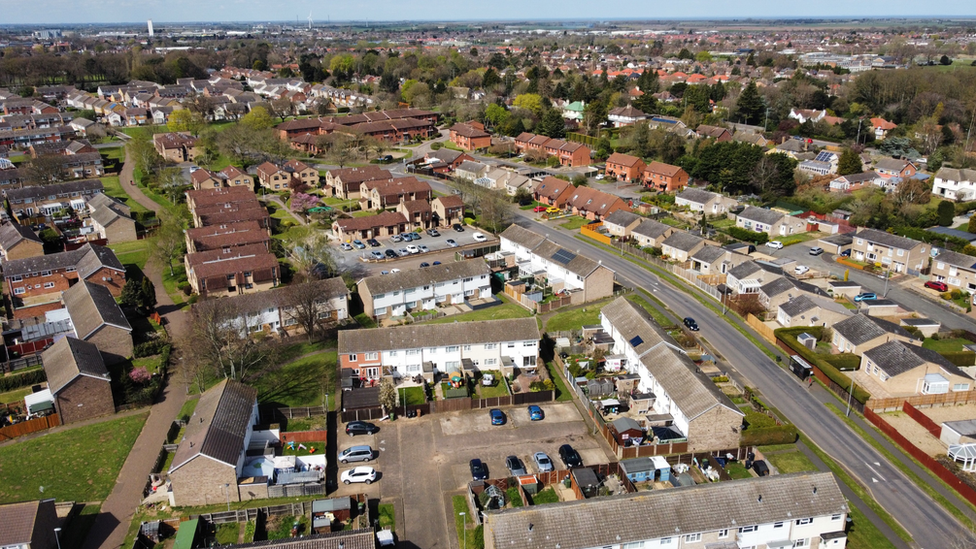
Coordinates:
[78,464]
[362,213]
[14,396]
[545,496]
[365,321]
[387,516]
[310,448]
[575,223]
[468,537]
[945,345]
[737,470]
[227,533]
[135,252]
[562,393]
[864,535]
[171,283]
[791,462]
[303,382]
[410,396]
[798,238]
[114,189]
[188,407]
[496,390]
[573,319]
[495,312]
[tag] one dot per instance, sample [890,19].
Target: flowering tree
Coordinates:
[140,375]
[302,203]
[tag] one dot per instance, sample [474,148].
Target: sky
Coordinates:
[54,12]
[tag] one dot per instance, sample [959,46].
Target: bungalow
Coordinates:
[853,182]
[370,226]
[890,251]
[426,349]
[345,183]
[681,245]
[651,233]
[625,116]
[771,222]
[700,200]
[714,132]
[861,333]
[805,310]
[29,524]
[232,271]
[955,184]
[782,289]
[111,224]
[715,260]
[445,160]
[907,370]
[625,167]
[621,222]
[78,380]
[470,136]
[751,138]
[749,276]
[894,167]
[396,294]
[471,170]
[664,177]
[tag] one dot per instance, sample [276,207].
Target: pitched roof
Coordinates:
[13,234]
[597,522]
[698,196]
[891,164]
[788,283]
[218,425]
[42,192]
[69,358]
[895,357]
[761,215]
[450,201]
[382,219]
[17,521]
[622,218]
[552,188]
[468,131]
[710,254]
[230,234]
[250,257]
[887,239]
[381,284]
[681,240]
[252,303]
[623,159]
[92,306]
[710,131]
[957,259]
[652,229]
[416,336]
[798,305]
[662,168]
[862,328]
[954,174]
[345,539]
[579,264]
[522,236]
[351,176]
[87,259]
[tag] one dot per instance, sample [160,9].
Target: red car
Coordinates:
[538,209]
[937,286]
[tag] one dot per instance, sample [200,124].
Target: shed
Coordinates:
[925,326]
[646,469]
[327,511]
[600,387]
[609,406]
[186,535]
[585,481]
[628,431]
[39,404]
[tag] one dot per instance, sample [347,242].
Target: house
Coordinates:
[396,294]
[225,205]
[625,167]
[651,233]
[804,115]
[892,252]
[625,116]
[210,458]
[98,319]
[426,349]
[282,177]
[715,260]
[583,278]
[103,200]
[807,310]
[664,177]
[714,132]
[681,245]
[364,538]
[471,170]
[233,176]
[771,222]
[700,200]
[621,222]
[751,138]
[882,127]
[111,224]
[793,148]
[44,201]
[695,408]
[552,191]
[853,182]
[231,271]
[569,154]
[955,269]
[469,136]
[904,369]
[592,203]
[345,183]
[370,226]
[448,210]
[19,242]
[78,379]
[793,510]
[29,524]
[749,276]
[176,147]
[34,284]
[417,212]
[782,289]
[894,167]
[861,333]
[955,184]
[380,194]
[445,160]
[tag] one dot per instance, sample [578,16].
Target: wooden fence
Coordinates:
[922,401]
[22,363]
[932,427]
[761,328]
[452,405]
[592,232]
[304,436]
[29,426]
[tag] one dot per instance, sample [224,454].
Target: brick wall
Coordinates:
[84,398]
[201,482]
[717,428]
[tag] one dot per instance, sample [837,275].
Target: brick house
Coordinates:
[43,201]
[29,524]
[955,269]
[861,333]
[714,132]
[449,209]
[226,205]
[470,136]
[34,284]
[345,183]
[387,193]
[230,176]
[569,153]
[232,271]
[894,167]
[280,178]
[624,167]
[176,147]
[552,191]
[908,370]
[593,204]
[665,177]
[98,319]
[445,160]
[211,455]
[208,197]
[230,235]
[370,226]
[19,242]
[417,212]
[78,380]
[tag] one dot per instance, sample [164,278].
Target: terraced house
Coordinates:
[397,294]
[955,269]
[43,201]
[231,271]
[889,251]
[426,349]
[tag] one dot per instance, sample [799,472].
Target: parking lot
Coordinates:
[424,460]
[439,250]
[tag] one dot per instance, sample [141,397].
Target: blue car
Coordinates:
[535,413]
[497,417]
[865,297]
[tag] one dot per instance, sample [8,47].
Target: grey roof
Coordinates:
[92,306]
[710,254]
[957,259]
[891,164]
[863,328]
[887,239]
[522,236]
[105,216]
[622,424]
[219,424]
[381,284]
[683,241]
[102,199]
[965,427]
[17,521]
[895,357]
[920,322]
[840,239]
[345,539]
[744,269]
[652,229]
[761,215]
[445,155]
[798,305]
[949,231]
[253,303]
[13,234]
[954,174]
[614,520]
[699,196]
[86,259]
[844,284]
[44,191]
[69,358]
[622,218]
[787,284]
[417,336]
[579,264]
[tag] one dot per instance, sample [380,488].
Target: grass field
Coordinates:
[113,188]
[74,465]
[14,396]
[945,345]
[798,238]
[303,382]
[495,312]
[135,252]
[575,223]
[572,320]
[791,462]
[658,317]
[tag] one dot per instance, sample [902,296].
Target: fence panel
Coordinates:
[304,436]
[29,426]
[761,328]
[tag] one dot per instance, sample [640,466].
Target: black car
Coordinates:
[354,428]
[691,324]
[457,228]
[570,456]
[373,242]
[424,265]
[479,471]
[391,254]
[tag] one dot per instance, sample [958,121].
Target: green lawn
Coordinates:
[410,396]
[791,462]
[387,516]
[303,382]
[78,464]
[495,312]
[737,470]
[228,533]
[863,534]
[171,283]
[575,223]
[317,446]
[798,238]
[14,396]
[362,213]
[135,252]
[572,320]
[365,321]
[945,345]
[114,189]
[496,390]
[562,392]
[657,315]
[468,534]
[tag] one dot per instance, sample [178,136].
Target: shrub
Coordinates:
[436,146]
[193,299]
[955,294]
[140,375]
[16,381]
[149,348]
[748,236]
[781,434]
[788,336]
[960,358]
[185,288]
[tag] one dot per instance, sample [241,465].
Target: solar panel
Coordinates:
[636,341]
[824,156]
[563,256]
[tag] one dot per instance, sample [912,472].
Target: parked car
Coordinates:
[774,244]
[515,466]
[359,474]
[376,254]
[458,228]
[391,254]
[937,286]
[497,417]
[436,263]
[373,242]
[413,249]
[451,242]
[845,253]
[801,269]
[552,210]
[424,265]
[345,246]
[386,158]
[478,237]
[816,250]
[539,209]
[396,238]
[356,453]
[403,252]
[535,413]
[394,271]
[433,232]
[570,456]
[542,461]
[423,249]
[867,296]
[358,244]
[690,324]
[600,177]
[354,428]
[479,471]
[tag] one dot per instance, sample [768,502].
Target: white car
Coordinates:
[478,237]
[775,244]
[801,269]
[359,474]
[413,249]
[600,176]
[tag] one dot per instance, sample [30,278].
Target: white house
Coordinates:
[702,201]
[955,184]
[396,294]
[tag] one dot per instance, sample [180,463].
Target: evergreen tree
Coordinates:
[749,108]
[147,294]
[131,293]
[849,163]
[946,212]
[646,103]
[552,124]
[490,79]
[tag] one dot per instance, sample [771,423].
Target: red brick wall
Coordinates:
[84,398]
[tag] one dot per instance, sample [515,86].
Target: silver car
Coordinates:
[356,453]
[542,461]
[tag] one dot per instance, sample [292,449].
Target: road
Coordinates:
[909,300]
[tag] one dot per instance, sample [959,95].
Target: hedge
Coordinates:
[781,434]
[16,381]
[788,336]
[845,361]
[748,236]
[960,358]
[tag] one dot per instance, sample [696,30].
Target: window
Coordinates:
[380,311]
[467,279]
[353,358]
[70,269]
[491,361]
[230,277]
[371,356]
[723,533]
[836,517]
[748,529]
[411,352]
[803,542]
[692,538]
[45,273]
[634,545]
[17,278]
[467,347]
[960,387]
[48,285]
[665,541]
[489,346]
[393,353]
[19,291]
[804,521]
[528,343]
[290,322]
[257,328]
[778,524]
[452,348]
[380,296]
[247,274]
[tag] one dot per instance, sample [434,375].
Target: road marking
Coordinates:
[875,472]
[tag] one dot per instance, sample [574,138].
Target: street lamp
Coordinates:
[57,533]
[227,491]
[464,534]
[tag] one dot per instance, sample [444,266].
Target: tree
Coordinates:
[389,396]
[552,124]
[495,115]
[849,162]
[182,120]
[946,212]
[131,292]
[302,203]
[944,60]
[749,108]
[314,258]
[46,169]
[303,302]
[147,294]
[218,335]
[529,101]
[490,79]
[257,119]
[168,244]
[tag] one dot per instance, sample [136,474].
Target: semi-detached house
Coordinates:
[955,184]
[955,269]
[709,203]
[396,294]
[773,223]
[889,251]
[426,349]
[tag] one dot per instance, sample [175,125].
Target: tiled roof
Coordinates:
[417,336]
[211,263]
[683,241]
[345,539]
[956,259]
[69,358]
[761,215]
[522,236]
[13,234]
[87,259]
[652,229]
[218,425]
[383,219]
[17,522]
[253,303]
[887,239]
[698,196]
[862,328]
[710,254]
[38,193]
[623,159]
[381,284]
[622,218]
[895,357]
[662,168]
[91,306]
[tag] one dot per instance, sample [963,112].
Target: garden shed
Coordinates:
[600,387]
[585,481]
[327,511]
[627,431]
[646,469]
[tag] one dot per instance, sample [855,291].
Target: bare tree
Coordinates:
[219,336]
[169,244]
[46,169]
[306,304]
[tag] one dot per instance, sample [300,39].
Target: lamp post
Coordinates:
[464,535]
[849,397]
[227,491]
[57,538]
